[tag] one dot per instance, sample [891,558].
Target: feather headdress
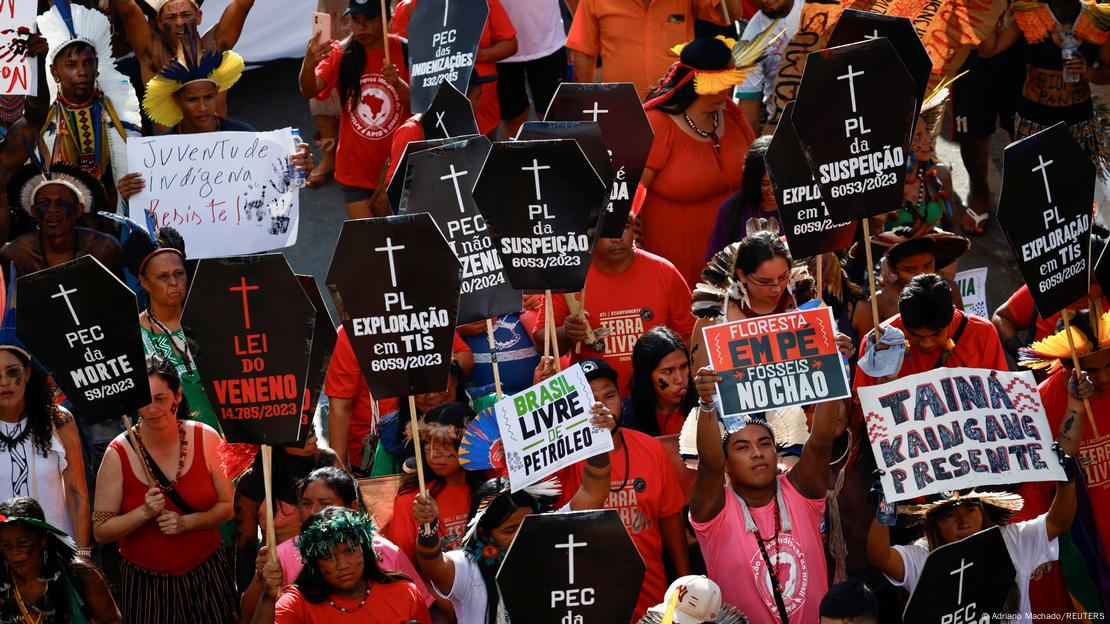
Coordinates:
[744,56]
[65,24]
[337,526]
[481,447]
[222,69]
[719,282]
[1054,351]
[26,182]
[547,489]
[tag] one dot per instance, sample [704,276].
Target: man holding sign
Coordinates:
[759,520]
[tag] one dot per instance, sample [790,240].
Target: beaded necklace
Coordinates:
[361,603]
[712,134]
[180,460]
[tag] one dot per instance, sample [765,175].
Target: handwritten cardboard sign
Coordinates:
[1048,186]
[395,284]
[776,361]
[853,117]
[18,71]
[547,427]
[443,46]
[449,171]
[79,319]
[228,193]
[251,323]
[805,217]
[616,107]
[955,428]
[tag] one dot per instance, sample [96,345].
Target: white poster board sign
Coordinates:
[547,428]
[228,193]
[955,428]
[18,72]
[973,289]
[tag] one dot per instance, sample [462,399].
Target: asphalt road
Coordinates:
[268,98]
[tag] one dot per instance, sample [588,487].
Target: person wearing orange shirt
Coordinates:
[634,38]
[696,159]
[628,291]
[644,489]
[498,43]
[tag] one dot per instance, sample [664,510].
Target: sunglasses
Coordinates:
[12,373]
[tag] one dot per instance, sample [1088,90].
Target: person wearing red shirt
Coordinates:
[644,489]
[937,334]
[1060,394]
[498,42]
[352,412]
[374,105]
[628,291]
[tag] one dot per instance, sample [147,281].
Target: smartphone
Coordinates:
[321,27]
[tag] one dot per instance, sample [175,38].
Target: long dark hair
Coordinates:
[707,53]
[161,366]
[758,248]
[338,480]
[747,201]
[656,344]
[311,581]
[499,504]
[455,415]
[43,415]
[351,66]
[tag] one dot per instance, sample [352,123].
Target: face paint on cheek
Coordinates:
[663,385]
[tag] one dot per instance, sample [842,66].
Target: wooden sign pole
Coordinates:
[268,483]
[871,279]
[138,451]
[418,447]
[1075,362]
[493,359]
[385,32]
[549,323]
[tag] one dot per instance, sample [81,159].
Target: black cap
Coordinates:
[598,369]
[369,8]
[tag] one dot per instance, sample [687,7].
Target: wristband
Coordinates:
[1072,469]
[428,531]
[706,407]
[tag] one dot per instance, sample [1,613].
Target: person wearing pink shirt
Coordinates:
[760,532]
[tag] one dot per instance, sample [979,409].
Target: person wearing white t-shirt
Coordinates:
[754,94]
[1031,543]
[540,62]
[466,576]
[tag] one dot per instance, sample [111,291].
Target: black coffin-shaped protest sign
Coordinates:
[853,116]
[615,107]
[79,320]
[449,115]
[443,44]
[591,569]
[586,133]
[854,26]
[250,324]
[805,218]
[323,344]
[395,284]
[397,192]
[964,581]
[542,201]
[1048,186]
[442,179]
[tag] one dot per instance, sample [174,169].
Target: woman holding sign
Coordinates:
[162,494]
[40,451]
[466,576]
[755,277]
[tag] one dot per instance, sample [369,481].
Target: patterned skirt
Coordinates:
[204,595]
